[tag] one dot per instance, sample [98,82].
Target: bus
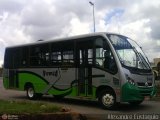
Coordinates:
[106,67]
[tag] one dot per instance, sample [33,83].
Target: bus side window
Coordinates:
[99,52]
[99,56]
[104,56]
[24,57]
[16,57]
[68,57]
[109,62]
[62,53]
[34,50]
[39,55]
[90,56]
[56,58]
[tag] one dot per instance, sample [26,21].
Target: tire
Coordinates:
[31,93]
[107,99]
[135,103]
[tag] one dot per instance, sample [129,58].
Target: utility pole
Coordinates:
[92,4]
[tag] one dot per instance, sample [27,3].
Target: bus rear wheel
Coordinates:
[31,93]
[107,99]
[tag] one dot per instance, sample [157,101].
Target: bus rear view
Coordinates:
[106,67]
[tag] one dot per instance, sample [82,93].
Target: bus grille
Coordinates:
[143,84]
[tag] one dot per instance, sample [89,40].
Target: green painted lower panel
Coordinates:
[71,91]
[134,93]
[94,92]
[38,83]
[74,91]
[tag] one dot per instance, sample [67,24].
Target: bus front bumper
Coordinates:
[131,92]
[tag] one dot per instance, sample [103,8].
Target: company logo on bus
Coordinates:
[50,73]
[146,84]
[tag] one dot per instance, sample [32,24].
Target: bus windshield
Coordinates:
[129,52]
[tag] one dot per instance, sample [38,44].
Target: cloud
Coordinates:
[76,27]
[154,24]
[11,6]
[43,20]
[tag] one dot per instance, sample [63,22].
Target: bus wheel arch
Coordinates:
[28,84]
[106,97]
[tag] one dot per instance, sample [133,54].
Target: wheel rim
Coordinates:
[108,100]
[30,92]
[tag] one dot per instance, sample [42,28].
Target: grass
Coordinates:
[24,107]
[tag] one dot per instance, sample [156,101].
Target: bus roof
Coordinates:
[62,39]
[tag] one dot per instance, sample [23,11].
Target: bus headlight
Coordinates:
[130,80]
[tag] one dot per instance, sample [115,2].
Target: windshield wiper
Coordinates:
[143,61]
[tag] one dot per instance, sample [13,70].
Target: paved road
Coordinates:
[89,108]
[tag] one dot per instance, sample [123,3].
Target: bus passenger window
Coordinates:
[39,55]
[90,56]
[68,58]
[56,58]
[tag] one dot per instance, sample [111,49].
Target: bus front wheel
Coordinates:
[107,99]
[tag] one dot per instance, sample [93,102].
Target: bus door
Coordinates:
[84,74]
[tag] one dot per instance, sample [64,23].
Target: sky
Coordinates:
[26,21]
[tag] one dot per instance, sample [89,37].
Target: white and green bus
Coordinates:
[107,67]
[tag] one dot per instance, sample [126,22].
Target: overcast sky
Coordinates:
[24,21]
